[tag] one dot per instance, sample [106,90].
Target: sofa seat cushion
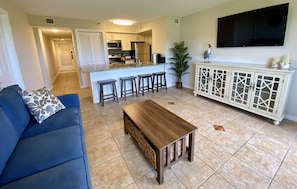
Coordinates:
[72,174]
[40,152]
[14,107]
[64,118]
[8,139]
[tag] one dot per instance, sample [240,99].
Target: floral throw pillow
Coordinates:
[41,103]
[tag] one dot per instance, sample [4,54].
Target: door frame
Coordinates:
[11,52]
[43,56]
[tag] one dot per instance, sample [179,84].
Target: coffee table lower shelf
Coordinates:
[164,158]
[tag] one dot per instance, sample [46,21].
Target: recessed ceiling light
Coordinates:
[123,22]
[55,30]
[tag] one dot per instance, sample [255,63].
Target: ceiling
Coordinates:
[105,10]
[139,11]
[57,33]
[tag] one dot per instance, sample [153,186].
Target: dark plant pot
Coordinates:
[179,85]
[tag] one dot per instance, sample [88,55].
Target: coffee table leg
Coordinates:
[160,166]
[191,146]
[125,117]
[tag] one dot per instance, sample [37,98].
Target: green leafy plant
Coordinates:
[179,61]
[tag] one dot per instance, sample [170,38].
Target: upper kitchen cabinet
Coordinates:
[113,36]
[126,39]
[126,42]
[137,37]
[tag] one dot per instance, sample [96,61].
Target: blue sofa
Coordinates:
[47,155]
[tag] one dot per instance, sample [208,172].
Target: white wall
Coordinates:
[52,62]
[25,46]
[158,27]
[199,28]
[172,35]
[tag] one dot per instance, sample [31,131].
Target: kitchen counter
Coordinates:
[96,68]
[118,70]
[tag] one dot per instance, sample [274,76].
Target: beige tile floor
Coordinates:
[251,153]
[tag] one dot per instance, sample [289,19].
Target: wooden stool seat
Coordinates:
[114,93]
[124,90]
[159,83]
[149,83]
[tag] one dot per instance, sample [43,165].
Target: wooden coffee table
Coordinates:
[163,137]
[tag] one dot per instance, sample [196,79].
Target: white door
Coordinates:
[91,48]
[6,75]
[91,51]
[66,56]
[9,68]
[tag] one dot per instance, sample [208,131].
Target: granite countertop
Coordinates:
[97,67]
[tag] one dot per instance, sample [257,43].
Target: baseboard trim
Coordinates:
[291,117]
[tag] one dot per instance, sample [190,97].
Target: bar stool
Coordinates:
[149,81]
[159,83]
[124,90]
[114,93]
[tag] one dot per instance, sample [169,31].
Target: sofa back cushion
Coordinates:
[14,107]
[8,139]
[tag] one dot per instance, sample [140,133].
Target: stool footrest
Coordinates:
[149,83]
[124,90]
[113,95]
[159,80]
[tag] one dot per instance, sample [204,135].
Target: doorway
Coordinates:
[57,52]
[65,55]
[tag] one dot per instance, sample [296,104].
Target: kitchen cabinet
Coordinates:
[125,38]
[255,88]
[126,42]
[128,38]
[113,36]
[136,37]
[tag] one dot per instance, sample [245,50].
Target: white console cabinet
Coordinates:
[255,88]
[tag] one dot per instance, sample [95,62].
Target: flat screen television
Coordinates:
[261,27]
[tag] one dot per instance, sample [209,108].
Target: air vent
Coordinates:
[176,20]
[49,21]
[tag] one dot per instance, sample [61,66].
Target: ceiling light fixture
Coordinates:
[123,22]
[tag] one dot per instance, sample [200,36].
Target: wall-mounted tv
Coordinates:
[261,27]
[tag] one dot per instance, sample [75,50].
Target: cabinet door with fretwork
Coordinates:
[219,83]
[202,80]
[266,92]
[240,89]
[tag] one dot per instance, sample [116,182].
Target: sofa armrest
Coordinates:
[70,100]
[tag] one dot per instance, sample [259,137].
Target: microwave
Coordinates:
[114,44]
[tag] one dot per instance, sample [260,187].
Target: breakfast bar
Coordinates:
[99,72]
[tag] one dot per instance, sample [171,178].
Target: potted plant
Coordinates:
[179,61]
